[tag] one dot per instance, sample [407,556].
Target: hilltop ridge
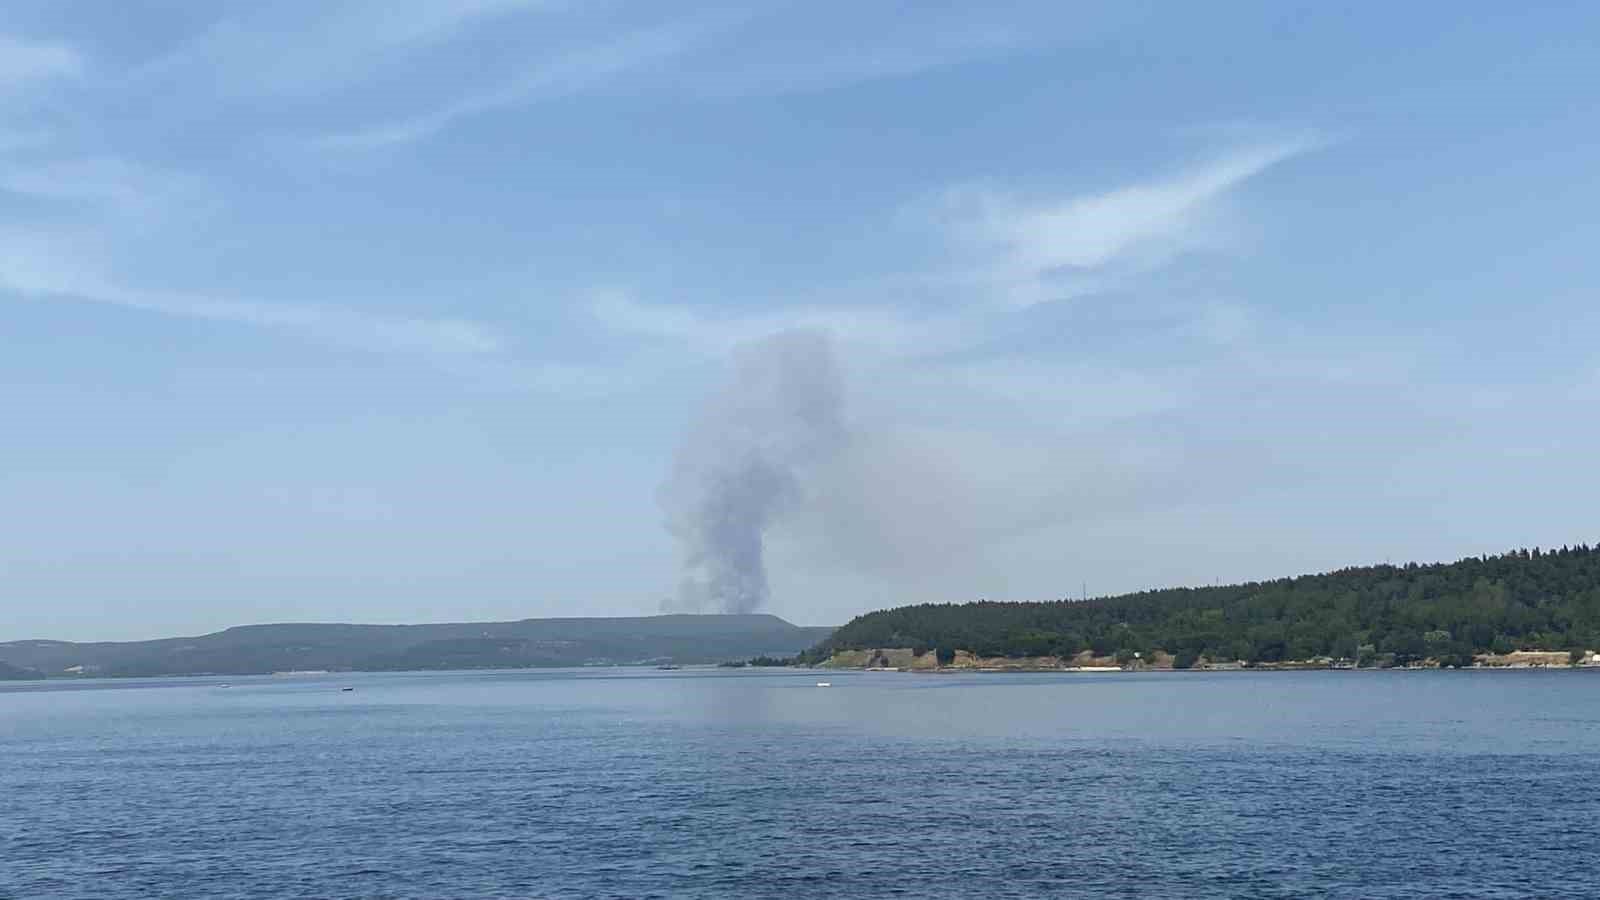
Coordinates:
[256,649]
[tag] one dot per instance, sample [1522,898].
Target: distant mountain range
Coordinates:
[259,649]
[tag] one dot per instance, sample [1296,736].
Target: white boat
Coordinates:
[824,684]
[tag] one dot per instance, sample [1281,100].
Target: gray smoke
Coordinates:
[746,463]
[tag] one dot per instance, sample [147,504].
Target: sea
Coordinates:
[636,783]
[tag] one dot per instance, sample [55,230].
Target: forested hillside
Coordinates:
[1526,599]
[12,673]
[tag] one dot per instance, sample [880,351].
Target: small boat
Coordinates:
[824,684]
[669,667]
[346,690]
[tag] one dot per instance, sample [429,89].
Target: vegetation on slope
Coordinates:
[12,673]
[1525,599]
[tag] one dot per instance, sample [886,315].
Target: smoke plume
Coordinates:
[746,463]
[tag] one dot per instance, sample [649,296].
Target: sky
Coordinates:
[395,311]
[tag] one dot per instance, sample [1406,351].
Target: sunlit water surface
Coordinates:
[749,784]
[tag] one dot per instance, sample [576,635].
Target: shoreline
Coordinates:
[956,670]
[900,659]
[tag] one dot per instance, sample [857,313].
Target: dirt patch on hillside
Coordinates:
[883,658]
[1525,659]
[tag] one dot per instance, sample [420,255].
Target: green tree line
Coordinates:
[1522,600]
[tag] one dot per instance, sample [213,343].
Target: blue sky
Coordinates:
[398,311]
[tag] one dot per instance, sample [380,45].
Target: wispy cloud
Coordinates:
[410,22]
[15,139]
[294,49]
[798,48]
[333,325]
[94,203]
[840,66]
[24,61]
[710,58]
[107,185]
[39,269]
[1038,250]
[1023,250]
[335,52]
[560,75]
[883,329]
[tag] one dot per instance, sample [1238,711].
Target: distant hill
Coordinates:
[1532,600]
[253,649]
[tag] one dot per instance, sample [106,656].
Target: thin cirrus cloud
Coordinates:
[23,61]
[854,61]
[280,50]
[883,329]
[36,267]
[561,75]
[1036,251]
[89,201]
[705,57]
[1019,251]
[107,185]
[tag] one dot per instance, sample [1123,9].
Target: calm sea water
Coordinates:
[620,783]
